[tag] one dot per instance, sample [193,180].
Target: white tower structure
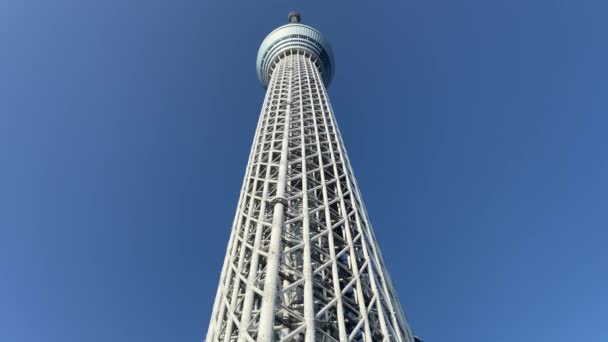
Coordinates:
[302,263]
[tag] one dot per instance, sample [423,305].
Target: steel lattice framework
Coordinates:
[302,263]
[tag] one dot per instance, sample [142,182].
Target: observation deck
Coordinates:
[299,37]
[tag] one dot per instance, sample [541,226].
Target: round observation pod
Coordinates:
[295,37]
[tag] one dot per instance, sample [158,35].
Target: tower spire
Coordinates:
[294,17]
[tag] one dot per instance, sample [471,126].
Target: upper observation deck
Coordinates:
[295,36]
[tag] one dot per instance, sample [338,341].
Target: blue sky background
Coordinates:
[477,131]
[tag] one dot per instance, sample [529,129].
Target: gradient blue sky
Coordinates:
[477,130]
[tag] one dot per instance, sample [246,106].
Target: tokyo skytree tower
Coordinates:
[302,263]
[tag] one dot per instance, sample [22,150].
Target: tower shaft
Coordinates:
[302,263]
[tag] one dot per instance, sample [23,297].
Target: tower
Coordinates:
[302,263]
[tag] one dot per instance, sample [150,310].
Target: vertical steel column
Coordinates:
[257,250]
[266,330]
[330,238]
[309,316]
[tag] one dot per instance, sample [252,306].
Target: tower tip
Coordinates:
[294,17]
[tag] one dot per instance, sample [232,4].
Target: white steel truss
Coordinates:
[302,263]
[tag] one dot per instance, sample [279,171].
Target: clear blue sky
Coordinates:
[477,130]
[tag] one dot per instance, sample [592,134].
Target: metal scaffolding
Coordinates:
[302,263]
